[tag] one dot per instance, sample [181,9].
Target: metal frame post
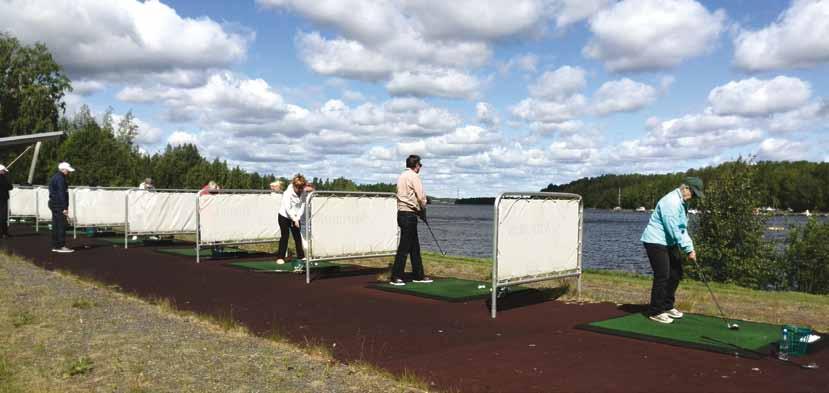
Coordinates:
[198,229]
[126,219]
[308,256]
[494,286]
[74,215]
[34,162]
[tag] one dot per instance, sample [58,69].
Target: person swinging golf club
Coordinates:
[664,237]
[411,204]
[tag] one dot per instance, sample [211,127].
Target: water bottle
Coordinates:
[783,350]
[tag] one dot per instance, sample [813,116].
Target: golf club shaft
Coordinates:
[434,237]
[704,280]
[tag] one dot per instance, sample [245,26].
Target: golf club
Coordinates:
[732,326]
[433,234]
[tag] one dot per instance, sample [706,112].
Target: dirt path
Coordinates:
[455,346]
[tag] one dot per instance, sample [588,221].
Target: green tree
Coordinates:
[729,235]
[807,258]
[32,86]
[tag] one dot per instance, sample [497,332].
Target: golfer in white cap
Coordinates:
[5,187]
[59,205]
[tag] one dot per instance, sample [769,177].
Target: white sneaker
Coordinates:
[661,318]
[135,238]
[424,280]
[674,313]
[63,250]
[280,261]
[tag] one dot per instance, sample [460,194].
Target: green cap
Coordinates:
[696,185]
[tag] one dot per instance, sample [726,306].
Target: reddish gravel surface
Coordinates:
[530,347]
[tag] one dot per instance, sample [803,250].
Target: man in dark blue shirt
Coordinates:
[59,205]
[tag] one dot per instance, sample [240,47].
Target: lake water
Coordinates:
[611,239]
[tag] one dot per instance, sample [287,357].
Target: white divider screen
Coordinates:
[537,237]
[22,202]
[349,225]
[159,212]
[238,217]
[97,206]
[43,211]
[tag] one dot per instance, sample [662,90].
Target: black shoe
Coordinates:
[398,282]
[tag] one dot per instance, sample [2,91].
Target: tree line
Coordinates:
[800,185]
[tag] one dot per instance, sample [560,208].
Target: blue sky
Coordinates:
[495,95]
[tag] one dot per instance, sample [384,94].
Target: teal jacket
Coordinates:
[668,225]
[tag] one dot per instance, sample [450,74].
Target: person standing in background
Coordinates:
[59,205]
[411,203]
[290,213]
[147,184]
[5,187]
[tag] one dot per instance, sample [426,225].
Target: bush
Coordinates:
[807,258]
[729,236]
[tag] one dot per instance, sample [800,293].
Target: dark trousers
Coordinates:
[666,263]
[286,224]
[58,228]
[4,217]
[409,245]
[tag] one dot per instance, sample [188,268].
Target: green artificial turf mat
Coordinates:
[228,252]
[753,339]
[448,289]
[271,266]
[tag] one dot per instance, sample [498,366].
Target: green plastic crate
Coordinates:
[798,337]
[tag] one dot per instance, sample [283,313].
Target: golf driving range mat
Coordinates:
[447,289]
[288,267]
[752,340]
[227,252]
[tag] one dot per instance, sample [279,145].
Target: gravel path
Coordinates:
[53,326]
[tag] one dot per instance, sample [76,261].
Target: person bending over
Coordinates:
[665,236]
[290,213]
[411,203]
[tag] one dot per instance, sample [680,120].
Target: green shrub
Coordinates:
[807,258]
[729,235]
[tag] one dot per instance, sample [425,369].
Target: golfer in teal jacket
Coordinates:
[664,238]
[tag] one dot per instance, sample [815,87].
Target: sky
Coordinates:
[495,95]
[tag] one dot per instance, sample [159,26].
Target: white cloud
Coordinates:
[86,87]
[118,38]
[473,19]
[527,62]
[486,114]
[532,110]
[782,150]
[622,95]
[178,138]
[558,84]
[756,97]
[352,95]
[441,83]
[797,39]
[226,100]
[652,34]
[807,118]
[571,11]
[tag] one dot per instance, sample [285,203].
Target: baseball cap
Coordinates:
[65,165]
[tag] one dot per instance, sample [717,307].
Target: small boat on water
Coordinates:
[693,211]
[641,209]
[776,228]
